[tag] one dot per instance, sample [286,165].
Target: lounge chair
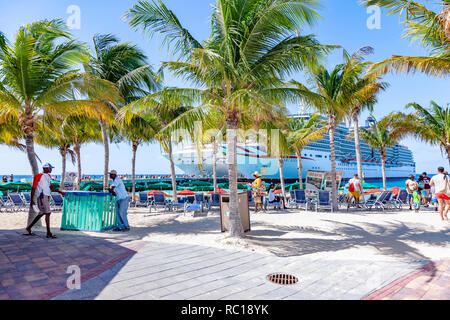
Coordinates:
[251,199]
[16,202]
[276,205]
[143,200]
[159,200]
[215,200]
[27,197]
[192,207]
[323,201]
[402,199]
[201,200]
[299,199]
[180,203]
[57,201]
[382,202]
[5,205]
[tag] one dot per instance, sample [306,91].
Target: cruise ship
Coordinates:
[252,157]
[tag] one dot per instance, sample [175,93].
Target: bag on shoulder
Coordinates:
[444,187]
[351,187]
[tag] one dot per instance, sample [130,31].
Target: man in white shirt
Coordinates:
[117,188]
[40,194]
[357,190]
[443,199]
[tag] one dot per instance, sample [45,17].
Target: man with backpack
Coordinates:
[40,198]
[356,189]
[441,183]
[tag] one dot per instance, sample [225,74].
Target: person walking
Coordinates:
[355,187]
[411,186]
[441,182]
[425,180]
[258,187]
[117,188]
[40,194]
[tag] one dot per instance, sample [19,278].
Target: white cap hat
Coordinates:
[48,165]
[113,172]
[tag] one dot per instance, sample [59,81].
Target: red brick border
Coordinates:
[400,283]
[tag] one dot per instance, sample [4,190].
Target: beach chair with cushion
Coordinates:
[402,199]
[382,202]
[179,205]
[57,201]
[323,201]
[215,200]
[143,200]
[275,205]
[192,207]
[159,200]
[291,201]
[16,201]
[27,197]
[201,200]
[300,200]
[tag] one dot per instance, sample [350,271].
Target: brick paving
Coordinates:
[431,282]
[34,268]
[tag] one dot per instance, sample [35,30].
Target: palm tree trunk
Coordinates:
[236,229]
[358,147]
[332,129]
[63,152]
[215,166]
[133,172]
[448,153]
[172,171]
[300,169]
[283,187]
[106,159]
[29,142]
[383,168]
[77,149]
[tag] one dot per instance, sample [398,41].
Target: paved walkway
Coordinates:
[179,271]
[35,268]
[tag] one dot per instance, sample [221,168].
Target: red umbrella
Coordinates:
[186,192]
[151,193]
[395,190]
[217,191]
[370,191]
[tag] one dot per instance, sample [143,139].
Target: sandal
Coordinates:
[29,234]
[51,236]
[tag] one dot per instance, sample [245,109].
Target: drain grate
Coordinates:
[283,279]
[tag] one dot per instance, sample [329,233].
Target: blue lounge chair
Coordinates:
[159,200]
[143,200]
[300,199]
[57,201]
[402,199]
[323,201]
[382,202]
[215,200]
[201,200]
[16,202]
[27,197]
[251,200]
[180,203]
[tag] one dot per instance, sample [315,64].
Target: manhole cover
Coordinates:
[283,279]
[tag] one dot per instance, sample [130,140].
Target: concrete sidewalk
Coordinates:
[180,271]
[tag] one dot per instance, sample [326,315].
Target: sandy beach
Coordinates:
[403,235]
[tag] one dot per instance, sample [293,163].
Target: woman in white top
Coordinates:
[442,198]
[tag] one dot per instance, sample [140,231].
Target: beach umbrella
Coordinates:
[218,191]
[395,190]
[161,186]
[186,192]
[151,193]
[370,191]
[15,186]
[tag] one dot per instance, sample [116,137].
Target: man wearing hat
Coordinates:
[117,188]
[258,187]
[40,194]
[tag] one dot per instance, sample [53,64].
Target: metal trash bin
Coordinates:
[243,209]
[89,211]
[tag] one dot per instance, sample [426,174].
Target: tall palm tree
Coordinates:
[385,133]
[239,68]
[430,28]
[124,65]
[300,133]
[432,125]
[36,76]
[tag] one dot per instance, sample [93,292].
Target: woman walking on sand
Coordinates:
[258,187]
[441,183]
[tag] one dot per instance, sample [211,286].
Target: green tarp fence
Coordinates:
[89,211]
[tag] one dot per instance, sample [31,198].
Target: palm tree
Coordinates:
[300,133]
[124,65]
[36,76]
[384,134]
[431,125]
[239,68]
[430,28]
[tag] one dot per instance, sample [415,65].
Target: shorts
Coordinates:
[434,200]
[441,196]
[427,192]
[356,194]
[43,203]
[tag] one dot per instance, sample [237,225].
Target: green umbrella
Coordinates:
[15,187]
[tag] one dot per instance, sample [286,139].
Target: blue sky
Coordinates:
[343,23]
